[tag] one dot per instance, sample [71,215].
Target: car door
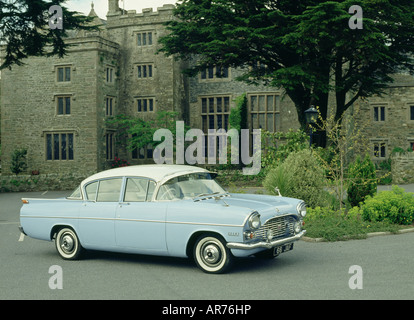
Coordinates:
[140,223]
[97,214]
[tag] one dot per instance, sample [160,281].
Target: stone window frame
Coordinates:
[215,109]
[259,68]
[410,141]
[149,68]
[110,108]
[210,75]
[265,112]
[141,36]
[380,142]
[379,105]
[69,151]
[410,113]
[145,102]
[109,140]
[64,67]
[145,153]
[110,75]
[64,107]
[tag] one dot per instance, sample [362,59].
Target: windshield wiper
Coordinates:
[206,194]
[220,193]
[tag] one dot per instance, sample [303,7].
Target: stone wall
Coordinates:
[403,168]
[41,182]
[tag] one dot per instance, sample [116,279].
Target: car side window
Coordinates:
[139,189]
[109,190]
[91,190]
[151,188]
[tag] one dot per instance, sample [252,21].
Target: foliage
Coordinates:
[136,133]
[395,206]
[238,114]
[25,29]
[362,180]
[332,225]
[298,45]
[300,176]
[278,146]
[277,178]
[401,150]
[345,140]
[18,162]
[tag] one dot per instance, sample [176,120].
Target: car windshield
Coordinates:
[189,186]
[76,194]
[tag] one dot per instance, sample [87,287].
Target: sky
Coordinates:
[101,6]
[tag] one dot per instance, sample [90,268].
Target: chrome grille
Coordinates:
[280,226]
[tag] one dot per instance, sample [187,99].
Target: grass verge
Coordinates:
[336,226]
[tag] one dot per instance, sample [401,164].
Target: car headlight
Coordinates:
[254,221]
[301,209]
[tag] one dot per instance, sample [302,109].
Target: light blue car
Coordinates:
[170,210]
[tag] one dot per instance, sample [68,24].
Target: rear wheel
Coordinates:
[68,245]
[211,254]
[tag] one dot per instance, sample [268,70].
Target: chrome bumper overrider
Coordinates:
[265,244]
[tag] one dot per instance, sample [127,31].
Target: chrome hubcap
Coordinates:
[211,254]
[67,243]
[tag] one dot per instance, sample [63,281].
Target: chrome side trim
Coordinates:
[264,244]
[139,220]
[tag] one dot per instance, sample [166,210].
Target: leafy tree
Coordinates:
[304,46]
[135,133]
[25,31]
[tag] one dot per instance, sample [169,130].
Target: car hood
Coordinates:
[267,206]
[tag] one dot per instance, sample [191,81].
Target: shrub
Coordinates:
[299,176]
[277,178]
[278,146]
[362,180]
[337,225]
[395,206]
[18,161]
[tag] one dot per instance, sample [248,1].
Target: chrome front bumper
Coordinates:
[265,244]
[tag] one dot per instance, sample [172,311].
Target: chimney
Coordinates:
[113,7]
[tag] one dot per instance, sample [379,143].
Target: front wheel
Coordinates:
[68,245]
[211,254]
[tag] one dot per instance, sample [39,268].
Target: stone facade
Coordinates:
[387,121]
[32,104]
[116,71]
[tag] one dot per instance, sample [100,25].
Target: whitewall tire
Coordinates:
[211,254]
[68,245]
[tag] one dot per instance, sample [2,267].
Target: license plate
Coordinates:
[281,249]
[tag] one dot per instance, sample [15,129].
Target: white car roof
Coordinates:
[157,172]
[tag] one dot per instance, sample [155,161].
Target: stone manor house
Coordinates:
[57,108]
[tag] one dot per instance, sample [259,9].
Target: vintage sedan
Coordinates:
[171,210]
